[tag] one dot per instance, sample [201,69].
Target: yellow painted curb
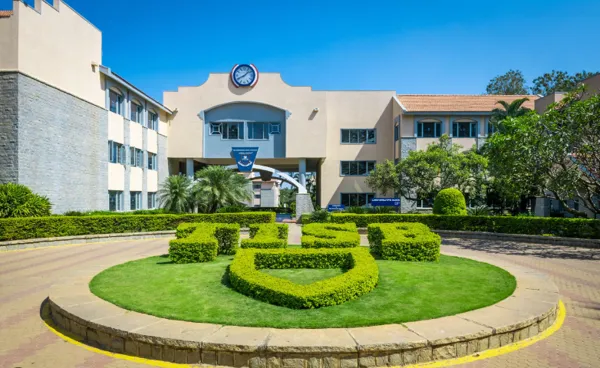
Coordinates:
[560,319]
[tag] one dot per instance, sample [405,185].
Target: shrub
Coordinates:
[245,276]
[404,242]
[267,236]
[233,209]
[46,227]
[330,236]
[319,216]
[201,242]
[449,201]
[17,200]
[479,211]
[567,227]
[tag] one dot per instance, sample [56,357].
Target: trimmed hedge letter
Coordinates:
[201,242]
[330,236]
[267,236]
[404,242]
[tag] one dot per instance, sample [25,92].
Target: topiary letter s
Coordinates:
[449,201]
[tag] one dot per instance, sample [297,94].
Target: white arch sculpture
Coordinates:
[276,173]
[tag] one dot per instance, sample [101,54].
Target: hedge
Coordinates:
[267,236]
[245,276]
[450,201]
[55,226]
[404,242]
[574,228]
[330,236]
[201,242]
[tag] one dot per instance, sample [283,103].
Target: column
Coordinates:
[302,172]
[189,168]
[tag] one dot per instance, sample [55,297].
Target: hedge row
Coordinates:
[55,226]
[362,276]
[404,242]
[201,242]
[574,228]
[267,236]
[330,236]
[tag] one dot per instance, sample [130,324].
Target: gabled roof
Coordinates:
[459,103]
[5,13]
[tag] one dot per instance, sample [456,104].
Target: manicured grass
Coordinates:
[200,293]
[305,276]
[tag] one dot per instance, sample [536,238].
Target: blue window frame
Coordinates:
[136,200]
[464,129]
[358,136]
[356,168]
[356,199]
[115,200]
[136,112]
[151,200]
[152,120]
[491,128]
[215,128]
[232,131]
[152,161]
[396,132]
[258,131]
[116,153]
[115,102]
[429,129]
[275,128]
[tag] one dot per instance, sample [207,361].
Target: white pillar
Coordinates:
[302,171]
[189,168]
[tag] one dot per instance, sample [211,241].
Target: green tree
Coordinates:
[16,200]
[508,109]
[287,196]
[217,187]
[558,81]
[511,83]
[424,173]
[174,194]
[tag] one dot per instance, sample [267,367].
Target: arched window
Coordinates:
[464,128]
[115,98]
[429,128]
[136,111]
[152,120]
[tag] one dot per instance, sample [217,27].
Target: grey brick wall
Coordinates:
[62,151]
[407,145]
[163,162]
[9,134]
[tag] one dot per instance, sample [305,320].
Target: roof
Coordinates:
[459,103]
[5,13]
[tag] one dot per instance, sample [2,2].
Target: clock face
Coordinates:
[244,75]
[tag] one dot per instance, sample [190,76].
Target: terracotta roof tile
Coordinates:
[5,13]
[459,103]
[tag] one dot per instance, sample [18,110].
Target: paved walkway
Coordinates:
[26,275]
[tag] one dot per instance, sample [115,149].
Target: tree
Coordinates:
[511,83]
[217,187]
[424,173]
[174,194]
[556,154]
[513,109]
[558,81]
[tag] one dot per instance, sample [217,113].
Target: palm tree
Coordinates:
[174,194]
[217,187]
[510,110]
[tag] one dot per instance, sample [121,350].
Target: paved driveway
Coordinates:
[26,275]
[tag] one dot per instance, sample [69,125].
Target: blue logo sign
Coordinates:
[389,202]
[336,207]
[244,157]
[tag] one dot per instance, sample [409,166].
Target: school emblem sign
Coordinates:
[244,157]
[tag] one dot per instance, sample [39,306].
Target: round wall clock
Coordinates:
[244,75]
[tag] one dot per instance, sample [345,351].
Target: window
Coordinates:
[258,131]
[358,136]
[233,131]
[491,128]
[151,200]
[464,129]
[396,132]
[152,162]
[215,128]
[115,201]
[256,195]
[136,157]
[136,201]
[425,202]
[152,120]
[275,128]
[115,101]
[256,186]
[357,199]
[429,129]
[357,168]
[116,153]
[136,112]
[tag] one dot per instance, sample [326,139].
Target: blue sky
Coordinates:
[406,46]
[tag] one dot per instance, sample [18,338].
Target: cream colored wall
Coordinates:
[136,135]
[163,123]
[152,143]
[152,183]
[8,43]
[306,131]
[136,178]
[116,177]
[58,47]
[466,143]
[352,110]
[407,126]
[115,128]
[422,143]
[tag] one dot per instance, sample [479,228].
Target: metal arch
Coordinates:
[277,173]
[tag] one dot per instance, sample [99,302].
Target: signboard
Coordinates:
[244,157]
[336,207]
[389,202]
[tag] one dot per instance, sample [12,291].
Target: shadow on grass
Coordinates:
[165,260]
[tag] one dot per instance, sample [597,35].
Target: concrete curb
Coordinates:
[529,311]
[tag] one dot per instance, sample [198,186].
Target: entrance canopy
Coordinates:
[276,173]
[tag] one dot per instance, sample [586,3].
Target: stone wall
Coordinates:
[9,134]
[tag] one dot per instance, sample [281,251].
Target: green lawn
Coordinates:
[200,293]
[305,276]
